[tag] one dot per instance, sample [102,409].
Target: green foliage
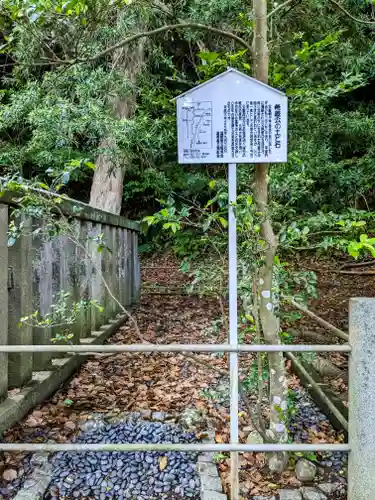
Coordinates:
[63,312]
[251,380]
[364,245]
[53,118]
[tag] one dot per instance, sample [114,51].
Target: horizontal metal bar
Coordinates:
[175,348]
[258,448]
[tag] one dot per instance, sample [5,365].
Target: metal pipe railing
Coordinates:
[234,447]
[222,447]
[202,348]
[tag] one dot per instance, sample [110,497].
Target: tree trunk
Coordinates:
[266,286]
[108,182]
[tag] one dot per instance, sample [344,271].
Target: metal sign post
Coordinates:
[233,337]
[232,119]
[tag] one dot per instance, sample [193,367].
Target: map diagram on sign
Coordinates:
[197,124]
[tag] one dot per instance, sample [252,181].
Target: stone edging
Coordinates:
[36,485]
[323,396]
[319,492]
[211,488]
[45,383]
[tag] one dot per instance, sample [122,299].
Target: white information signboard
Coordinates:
[232,118]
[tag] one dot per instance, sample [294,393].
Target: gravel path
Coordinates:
[140,475]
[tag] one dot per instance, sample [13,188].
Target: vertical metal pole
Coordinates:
[361,472]
[233,339]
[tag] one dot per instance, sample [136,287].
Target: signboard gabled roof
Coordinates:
[217,77]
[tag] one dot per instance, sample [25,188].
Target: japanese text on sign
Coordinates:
[221,124]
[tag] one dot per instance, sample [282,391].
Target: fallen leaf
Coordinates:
[163,462]
[10,475]
[219,438]
[32,422]
[70,425]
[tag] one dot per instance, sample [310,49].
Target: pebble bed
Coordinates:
[125,475]
[307,417]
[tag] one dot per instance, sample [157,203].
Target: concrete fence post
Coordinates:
[3,300]
[114,271]
[20,304]
[137,268]
[127,281]
[107,264]
[84,267]
[42,292]
[133,249]
[120,264]
[96,284]
[361,472]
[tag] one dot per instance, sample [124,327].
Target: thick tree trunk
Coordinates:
[107,185]
[108,182]
[266,286]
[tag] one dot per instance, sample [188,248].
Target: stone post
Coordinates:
[19,305]
[107,263]
[137,269]
[121,265]
[361,473]
[3,300]
[83,271]
[96,285]
[42,291]
[71,283]
[133,267]
[127,283]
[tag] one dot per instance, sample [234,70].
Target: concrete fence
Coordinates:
[34,270]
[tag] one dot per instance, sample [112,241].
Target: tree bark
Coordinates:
[108,182]
[278,388]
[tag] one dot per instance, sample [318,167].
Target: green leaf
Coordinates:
[223,222]
[209,57]
[150,219]
[185,266]
[68,402]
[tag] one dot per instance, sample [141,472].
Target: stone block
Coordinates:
[309,493]
[207,456]
[35,487]
[305,470]
[290,495]
[329,488]
[207,468]
[158,416]
[213,495]
[210,483]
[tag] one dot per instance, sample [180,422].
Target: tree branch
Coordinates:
[355,19]
[339,333]
[169,27]
[137,36]
[279,7]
